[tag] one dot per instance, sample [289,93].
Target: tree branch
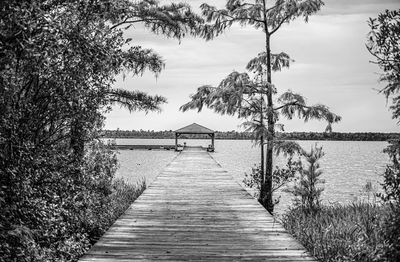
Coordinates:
[134,21]
[239,18]
[273,7]
[281,23]
[290,104]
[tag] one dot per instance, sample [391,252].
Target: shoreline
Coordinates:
[218,138]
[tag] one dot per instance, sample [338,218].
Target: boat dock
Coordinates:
[196,211]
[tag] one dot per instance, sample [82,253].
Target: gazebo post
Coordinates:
[212,140]
[176,141]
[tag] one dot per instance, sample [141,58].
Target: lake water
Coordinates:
[347,165]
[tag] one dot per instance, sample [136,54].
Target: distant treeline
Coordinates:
[365,136]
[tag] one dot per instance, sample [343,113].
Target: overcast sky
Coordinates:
[331,67]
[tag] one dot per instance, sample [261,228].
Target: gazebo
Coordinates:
[195,129]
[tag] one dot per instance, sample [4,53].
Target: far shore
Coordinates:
[371,139]
[235,135]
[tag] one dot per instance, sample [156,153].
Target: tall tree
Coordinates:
[384,44]
[269,17]
[113,18]
[58,64]
[79,48]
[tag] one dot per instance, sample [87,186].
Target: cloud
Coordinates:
[348,7]
[332,67]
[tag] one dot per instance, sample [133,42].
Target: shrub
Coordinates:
[52,212]
[121,197]
[391,186]
[305,188]
[340,233]
[280,176]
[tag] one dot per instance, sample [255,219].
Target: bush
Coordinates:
[305,188]
[122,196]
[53,210]
[391,186]
[280,176]
[340,233]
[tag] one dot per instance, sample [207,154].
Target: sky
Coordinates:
[332,66]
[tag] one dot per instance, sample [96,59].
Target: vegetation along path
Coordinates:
[196,211]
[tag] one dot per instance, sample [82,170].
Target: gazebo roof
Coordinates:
[194,129]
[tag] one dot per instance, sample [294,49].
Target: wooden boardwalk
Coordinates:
[195,211]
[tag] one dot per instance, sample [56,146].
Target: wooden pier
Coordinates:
[195,211]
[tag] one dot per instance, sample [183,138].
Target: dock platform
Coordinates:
[196,211]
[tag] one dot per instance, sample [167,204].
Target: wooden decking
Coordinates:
[195,211]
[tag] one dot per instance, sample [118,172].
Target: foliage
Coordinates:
[340,232]
[392,235]
[239,95]
[391,183]
[391,195]
[51,214]
[121,197]
[251,95]
[306,191]
[268,16]
[58,63]
[281,176]
[383,44]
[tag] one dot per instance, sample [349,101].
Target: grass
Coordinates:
[122,196]
[340,232]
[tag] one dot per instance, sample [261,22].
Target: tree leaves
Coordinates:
[202,97]
[58,63]
[256,128]
[384,44]
[259,14]
[135,100]
[287,148]
[234,95]
[171,20]
[306,188]
[137,60]
[278,62]
[295,104]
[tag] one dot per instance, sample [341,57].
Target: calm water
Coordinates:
[347,165]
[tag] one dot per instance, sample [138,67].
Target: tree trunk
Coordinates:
[262,173]
[266,185]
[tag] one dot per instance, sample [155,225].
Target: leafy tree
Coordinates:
[251,95]
[384,45]
[58,63]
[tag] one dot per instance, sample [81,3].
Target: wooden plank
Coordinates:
[196,211]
